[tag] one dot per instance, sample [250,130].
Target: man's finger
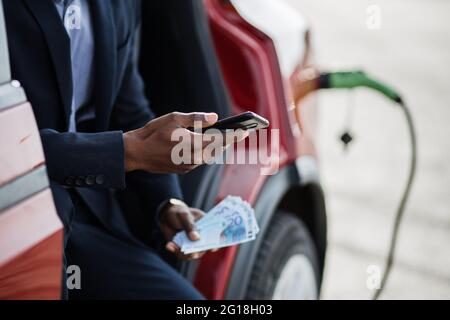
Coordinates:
[193,256]
[172,247]
[180,255]
[197,213]
[188,223]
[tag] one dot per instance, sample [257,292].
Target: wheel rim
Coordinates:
[297,280]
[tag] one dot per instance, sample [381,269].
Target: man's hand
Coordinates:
[175,217]
[149,148]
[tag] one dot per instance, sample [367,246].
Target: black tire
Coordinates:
[286,237]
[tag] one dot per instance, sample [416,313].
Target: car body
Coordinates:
[30,230]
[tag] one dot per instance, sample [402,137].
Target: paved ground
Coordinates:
[412,51]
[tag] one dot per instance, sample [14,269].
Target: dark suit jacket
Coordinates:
[92,163]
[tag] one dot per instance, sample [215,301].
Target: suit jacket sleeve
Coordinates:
[94,160]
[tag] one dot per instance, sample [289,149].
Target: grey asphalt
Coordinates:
[411,50]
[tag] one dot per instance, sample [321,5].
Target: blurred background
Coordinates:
[409,49]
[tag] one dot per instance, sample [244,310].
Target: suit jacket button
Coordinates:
[70,181]
[79,181]
[90,180]
[99,179]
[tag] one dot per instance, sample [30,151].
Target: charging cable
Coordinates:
[354,79]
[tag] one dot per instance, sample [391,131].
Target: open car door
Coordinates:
[30,231]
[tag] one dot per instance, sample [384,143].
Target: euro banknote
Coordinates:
[230,222]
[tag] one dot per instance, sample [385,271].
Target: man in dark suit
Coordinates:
[108,158]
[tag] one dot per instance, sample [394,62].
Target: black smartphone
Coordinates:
[245,121]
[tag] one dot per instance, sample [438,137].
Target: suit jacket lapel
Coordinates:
[58,43]
[105,61]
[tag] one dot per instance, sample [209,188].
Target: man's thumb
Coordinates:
[190,120]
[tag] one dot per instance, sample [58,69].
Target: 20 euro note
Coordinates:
[230,222]
[229,203]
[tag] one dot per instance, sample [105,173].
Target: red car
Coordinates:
[225,56]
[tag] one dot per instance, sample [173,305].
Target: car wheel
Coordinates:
[286,267]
